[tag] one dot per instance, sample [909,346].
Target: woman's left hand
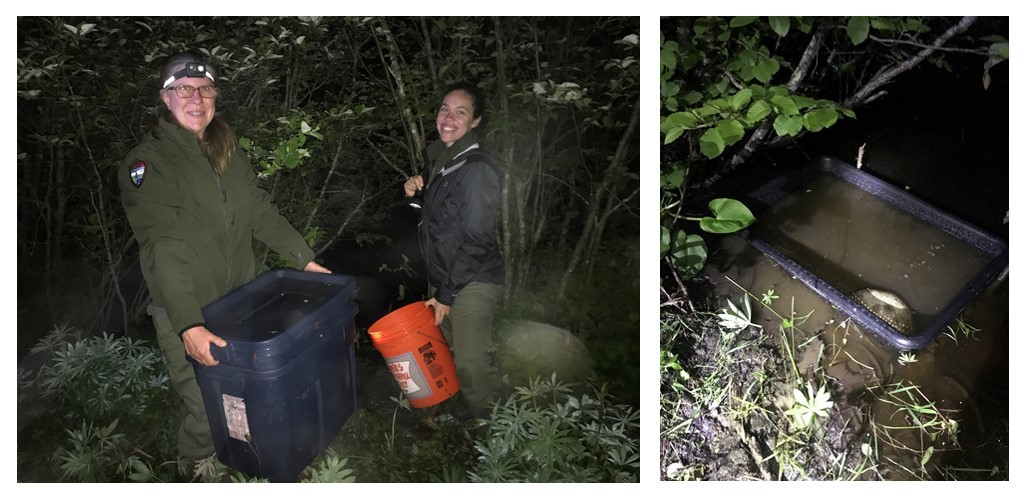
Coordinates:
[314,267]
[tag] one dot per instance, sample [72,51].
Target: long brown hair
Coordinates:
[217,142]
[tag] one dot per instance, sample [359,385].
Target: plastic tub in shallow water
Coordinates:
[839,229]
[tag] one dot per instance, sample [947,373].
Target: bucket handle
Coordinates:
[419,332]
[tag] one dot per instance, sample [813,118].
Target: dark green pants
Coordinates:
[194,438]
[469,328]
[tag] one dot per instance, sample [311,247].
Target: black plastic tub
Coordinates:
[285,383]
[985,247]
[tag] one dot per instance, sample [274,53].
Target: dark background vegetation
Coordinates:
[334,114]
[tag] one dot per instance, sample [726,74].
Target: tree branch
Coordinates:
[325,185]
[885,76]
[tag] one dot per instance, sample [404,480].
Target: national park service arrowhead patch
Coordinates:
[138,172]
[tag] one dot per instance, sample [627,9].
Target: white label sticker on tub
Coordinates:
[401,371]
[236,417]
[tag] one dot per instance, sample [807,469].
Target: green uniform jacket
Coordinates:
[195,228]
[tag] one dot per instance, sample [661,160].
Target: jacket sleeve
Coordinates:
[271,228]
[477,197]
[153,212]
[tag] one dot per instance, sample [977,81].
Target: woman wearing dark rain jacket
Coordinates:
[459,197]
[194,205]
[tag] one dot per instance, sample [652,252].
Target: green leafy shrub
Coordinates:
[546,433]
[110,412]
[105,377]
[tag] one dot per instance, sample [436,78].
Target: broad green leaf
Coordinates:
[691,97]
[711,145]
[691,59]
[804,24]
[719,88]
[675,178]
[858,29]
[759,110]
[881,24]
[666,240]
[714,106]
[668,59]
[804,102]
[779,24]
[785,105]
[669,89]
[730,216]
[741,98]
[773,91]
[787,125]
[688,253]
[731,131]
[685,120]
[917,25]
[766,69]
[820,119]
[738,22]
[747,57]
[673,134]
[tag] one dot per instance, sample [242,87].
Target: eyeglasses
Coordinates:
[187,91]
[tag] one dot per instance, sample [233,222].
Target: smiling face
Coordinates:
[193,113]
[456,117]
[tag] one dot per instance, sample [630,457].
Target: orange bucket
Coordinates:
[417,354]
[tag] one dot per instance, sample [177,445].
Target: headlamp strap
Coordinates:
[190,70]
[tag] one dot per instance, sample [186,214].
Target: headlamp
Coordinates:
[190,70]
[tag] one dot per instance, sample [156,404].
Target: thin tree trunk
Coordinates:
[509,194]
[325,185]
[594,210]
[430,53]
[394,68]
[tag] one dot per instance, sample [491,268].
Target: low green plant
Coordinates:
[450,474]
[960,326]
[769,297]
[549,432]
[687,253]
[91,452]
[906,357]
[104,377]
[329,468]
[921,415]
[737,319]
[401,403]
[809,408]
[109,397]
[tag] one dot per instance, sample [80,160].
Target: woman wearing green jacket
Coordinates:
[194,205]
